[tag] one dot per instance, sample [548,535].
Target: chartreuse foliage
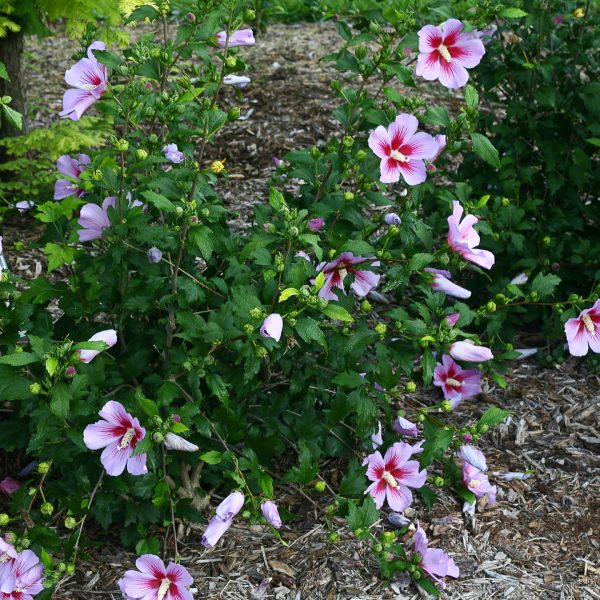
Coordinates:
[188,326]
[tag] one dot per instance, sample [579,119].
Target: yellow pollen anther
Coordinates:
[88,87]
[389,479]
[589,324]
[397,155]
[4,558]
[126,439]
[445,53]
[453,382]
[165,584]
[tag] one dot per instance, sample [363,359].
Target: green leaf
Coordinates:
[3,72]
[288,293]
[58,255]
[513,13]
[59,403]
[202,239]
[429,496]
[435,445]
[594,141]
[485,150]
[471,96]
[349,380]
[493,416]
[362,517]
[143,445]
[420,260]
[437,115]
[320,280]
[428,585]
[428,366]
[160,201]
[276,199]
[148,406]
[337,312]
[13,117]
[212,458]
[545,285]
[51,365]
[19,359]
[308,329]
[265,483]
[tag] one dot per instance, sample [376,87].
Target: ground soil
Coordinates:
[540,541]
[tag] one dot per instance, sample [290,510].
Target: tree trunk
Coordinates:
[11,54]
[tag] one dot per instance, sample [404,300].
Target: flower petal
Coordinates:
[364,282]
[114,412]
[379,142]
[101,434]
[136,465]
[114,459]
[399,498]
[453,75]
[414,171]
[402,130]
[390,173]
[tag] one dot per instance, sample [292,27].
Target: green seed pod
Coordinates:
[35,389]
[47,509]
[411,387]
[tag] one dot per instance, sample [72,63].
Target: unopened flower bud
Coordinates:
[122,145]
[365,306]
[35,389]
[154,255]
[490,306]
[156,421]
[411,387]
[320,486]
[483,428]
[191,17]
[579,13]
[43,468]
[381,328]
[467,438]
[261,351]
[47,509]
[348,196]
[231,61]
[374,28]
[97,175]
[158,437]
[438,481]
[446,406]
[294,231]
[256,313]
[153,138]
[546,240]
[361,155]
[249,15]
[431,168]
[388,537]
[348,141]
[141,154]
[234,113]
[4,520]
[315,153]
[334,537]
[70,523]
[248,329]
[70,568]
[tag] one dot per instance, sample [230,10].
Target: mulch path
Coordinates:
[540,541]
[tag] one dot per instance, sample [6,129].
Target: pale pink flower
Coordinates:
[377,437]
[176,442]
[173,154]
[316,224]
[583,332]
[89,78]
[457,383]
[94,220]
[337,270]
[474,456]
[402,150]
[468,351]
[154,581]
[8,554]
[452,319]
[272,327]
[24,579]
[238,81]
[441,283]
[478,483]
[118,433]
[9,486]
[445,53]
[405,427]
[230,507]
[71,167]
[434,562]
[392,475]
[108,336]
[241,37]
[214,531]
[271,513]
[463,239]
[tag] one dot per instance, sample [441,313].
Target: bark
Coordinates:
[11,54]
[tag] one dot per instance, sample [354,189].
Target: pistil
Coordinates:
[389,479]
[443,50]
[589,324]
[126,439]
[397,155]
[165,584]
[453,382]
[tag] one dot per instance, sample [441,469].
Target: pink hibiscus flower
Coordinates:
[434,562]
[8,555]
[463,239]
[583,332]
[154,581]
[445,53]
[118,433]
[457,383]
[402,150]
[392,475]
[337,270]
[108,336]
[94,219]
[71,167]
[478,482]
[24,580]
[89,78]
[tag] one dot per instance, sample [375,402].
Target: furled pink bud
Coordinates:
[473,456]
[175,418]
[9,486]
[392,219]
[109,337]
[230,507]
[215,530]
[238,81]
[175,442]
[241,37]
[316,224]
[154,255]
[452,319]
[405,427]
[558,19]
[173,154]
[441,283]
[272,327]
[467,438]
[271,513]
[70,371]
[467,350]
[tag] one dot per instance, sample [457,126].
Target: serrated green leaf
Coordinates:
[308,329]
[19,359]
[160,201]
[493,416]
[13,117]
[276,199]
[545,285]
[265,483]
[364,516]
[4,72]
[435,446]
[338,313]
[420,260]
[212,458]
[349,379]
[485,149]
[471,96]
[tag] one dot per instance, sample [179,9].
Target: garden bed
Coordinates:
[539,541]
